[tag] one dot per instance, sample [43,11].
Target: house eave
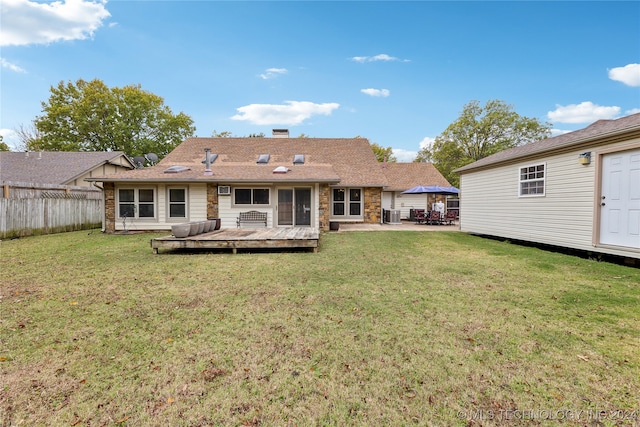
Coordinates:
[212,180]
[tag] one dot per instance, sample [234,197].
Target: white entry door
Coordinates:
[620,203]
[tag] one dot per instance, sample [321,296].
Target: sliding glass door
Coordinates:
[294,207]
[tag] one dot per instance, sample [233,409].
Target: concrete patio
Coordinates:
[404,226]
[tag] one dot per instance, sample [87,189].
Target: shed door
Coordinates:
[620,203]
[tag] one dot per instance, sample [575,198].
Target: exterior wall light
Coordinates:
[585,158]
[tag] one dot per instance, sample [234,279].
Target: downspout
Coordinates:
[103,206]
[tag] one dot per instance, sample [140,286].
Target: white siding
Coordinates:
[197,201]
[564,216]
[388,200]
[102,170]
[229,213]
[196,208]
[406,202]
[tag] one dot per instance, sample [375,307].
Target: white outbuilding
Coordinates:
[580,190]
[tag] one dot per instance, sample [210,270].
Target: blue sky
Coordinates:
[397,73]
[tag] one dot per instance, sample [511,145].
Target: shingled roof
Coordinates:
[348,161]
[599,130]
[403,176]
[52,167]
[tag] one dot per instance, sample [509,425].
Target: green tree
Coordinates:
[3,145]
[28,136]
[383,153]
[480,132]
[223,134]
[89,116]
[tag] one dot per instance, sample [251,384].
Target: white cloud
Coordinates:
[13,67]
[27,22]
[404,155]
[632,111]
[409,156]
[380,57]
[376,92]
[629,74]
[271,73]
[290,113]
[427,142]
[10,137]
[585,112]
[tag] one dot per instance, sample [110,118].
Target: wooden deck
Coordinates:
[243,238]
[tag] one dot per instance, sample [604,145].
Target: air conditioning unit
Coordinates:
[394,216]
[224,190]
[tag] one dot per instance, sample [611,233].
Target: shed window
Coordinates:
[532,179]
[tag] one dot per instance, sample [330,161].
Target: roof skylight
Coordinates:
[263,159]
[298,159]
[176,169]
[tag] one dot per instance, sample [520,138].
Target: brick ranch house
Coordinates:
[297,182]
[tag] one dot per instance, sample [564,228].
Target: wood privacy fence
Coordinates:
[28,209]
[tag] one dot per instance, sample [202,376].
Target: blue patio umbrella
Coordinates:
[433,189]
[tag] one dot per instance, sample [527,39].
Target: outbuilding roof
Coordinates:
[602,129]
[348,161]
[403,176]
[55,167]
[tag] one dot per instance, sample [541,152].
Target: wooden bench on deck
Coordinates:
[252,217]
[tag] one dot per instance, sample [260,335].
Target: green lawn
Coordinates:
[377,328]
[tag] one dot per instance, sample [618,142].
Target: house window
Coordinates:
[347,203]
[532,180]
[251,196]
[177,203]
[355,198]
[338,201]
[136,203]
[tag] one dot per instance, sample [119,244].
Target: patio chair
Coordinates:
[434,217]
[450,217]
[419,216]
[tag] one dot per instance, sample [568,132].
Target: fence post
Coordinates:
[46,216]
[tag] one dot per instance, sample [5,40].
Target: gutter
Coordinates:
[104,217]
[215,181]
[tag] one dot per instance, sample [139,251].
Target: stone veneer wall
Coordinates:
[109,207]
[372,205]
[212,200]
[325,206]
